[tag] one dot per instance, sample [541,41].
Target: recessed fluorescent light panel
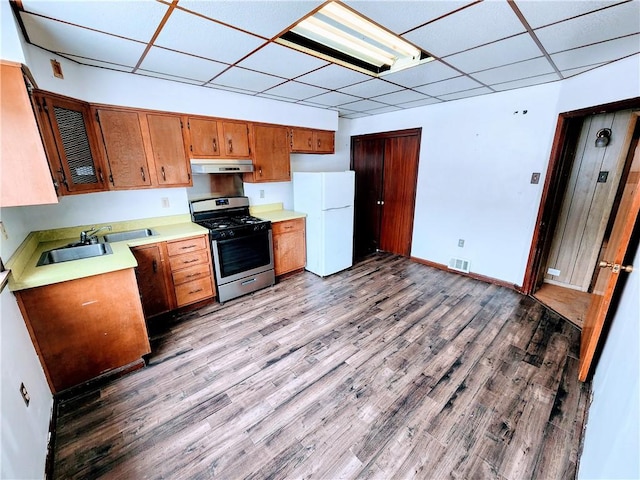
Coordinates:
[338,34]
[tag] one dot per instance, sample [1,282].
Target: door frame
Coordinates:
[560,162]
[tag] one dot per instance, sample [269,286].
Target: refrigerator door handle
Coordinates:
[335,208]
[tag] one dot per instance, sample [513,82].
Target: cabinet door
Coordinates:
[151,274]
[167,146]
[203,138]
[235,137]
[74,153]
[301,140]
[323,141]
[271,154]
[124,148]
[26,179]
[289,246]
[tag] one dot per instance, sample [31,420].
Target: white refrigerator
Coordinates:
[327,198]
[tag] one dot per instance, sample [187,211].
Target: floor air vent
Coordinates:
[459,264]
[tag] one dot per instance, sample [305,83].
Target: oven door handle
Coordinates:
[247,282]
[255,234]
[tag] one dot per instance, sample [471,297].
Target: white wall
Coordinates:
[612,439]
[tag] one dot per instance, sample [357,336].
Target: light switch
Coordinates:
[535,177]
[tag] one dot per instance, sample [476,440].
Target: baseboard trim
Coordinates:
[475,276]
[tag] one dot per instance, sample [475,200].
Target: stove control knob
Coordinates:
[231,233]
[222,234]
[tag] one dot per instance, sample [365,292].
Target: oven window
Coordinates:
[244,253]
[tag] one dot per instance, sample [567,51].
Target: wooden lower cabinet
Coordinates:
[174,274]
[289,246]
[87,327]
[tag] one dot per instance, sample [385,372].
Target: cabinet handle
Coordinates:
[190,261]
[187,247]
[195,291]
[193,275]
[215,144]
[164,176]
[155,266]
[101,176]
[230,146]
[288,227]
[260,170]
[310,145]
[144,179]
[318,143]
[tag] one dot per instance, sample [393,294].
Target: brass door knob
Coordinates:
[616,267]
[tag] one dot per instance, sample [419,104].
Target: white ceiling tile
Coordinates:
[600,52]
[420,103]
[363,105]
[98,63]
[333,77]
[147,73]
[592,28]
[476,25]
[371,88]
[265,18]
[276,97]
[173,63]
[296,90]
[426,73]
[282,61]
[468,93]
[229,89]
[332,99]
[247,80]
[448,86]
[64,38]
[390,108]
[354,115]
[526,82]
[136,20]
[516,71]
[400,16]
[402,96]
[576,71]
[511,50]
[193,34]
[543,12]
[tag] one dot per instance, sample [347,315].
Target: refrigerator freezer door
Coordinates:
[337,189]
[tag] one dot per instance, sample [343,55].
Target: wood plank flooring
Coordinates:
[390,369]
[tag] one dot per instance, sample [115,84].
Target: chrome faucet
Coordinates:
[88,237]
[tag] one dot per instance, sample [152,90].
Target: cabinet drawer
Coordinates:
[188,245]
[189,274]
[288,226]
[194,291]
[185,260]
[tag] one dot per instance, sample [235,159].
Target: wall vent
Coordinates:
[459,264]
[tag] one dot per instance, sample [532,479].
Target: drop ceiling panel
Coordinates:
[173,63]
[174,78]
[598,53]
[402,16]
[267,19]
[448,86]
[543,12]
[511,50]
[426,73]
[136,20]
[333,99]
[333,77]
[64,38]
[192,34]
[607,24]
[371,88]
[420,103]
[516,71]
[364,105]
[476,25]
[526,82]
[282,61]
[296,91]
[388,109]
[402,96]
[98,63]
[466,94]
[247,80]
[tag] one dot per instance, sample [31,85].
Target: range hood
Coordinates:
[223,165]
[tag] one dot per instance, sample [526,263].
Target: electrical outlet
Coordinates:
[165,202]
[25,394]
[461,243]
[535,178]
[261,193]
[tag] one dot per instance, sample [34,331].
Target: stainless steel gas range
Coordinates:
[241,245]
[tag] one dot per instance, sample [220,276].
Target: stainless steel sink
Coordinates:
[128,235]
[75,252]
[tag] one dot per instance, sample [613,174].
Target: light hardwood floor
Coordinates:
[391,369]
[572,304]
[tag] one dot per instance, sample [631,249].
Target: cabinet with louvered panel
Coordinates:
[71,144]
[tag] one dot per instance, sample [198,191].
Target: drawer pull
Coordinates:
[188,247]
[195,291]
[190,261]
[193,275]
[288,227]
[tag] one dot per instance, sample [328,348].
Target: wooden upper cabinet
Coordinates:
[167,147]
[123,148]
[71,143]
[304,140]
[235,139]
[26,178]
[203,135]
[271,162]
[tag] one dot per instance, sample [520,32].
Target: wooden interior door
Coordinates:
[367,162]
[612,266]
[399,193]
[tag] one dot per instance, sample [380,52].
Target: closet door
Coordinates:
[368,163]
